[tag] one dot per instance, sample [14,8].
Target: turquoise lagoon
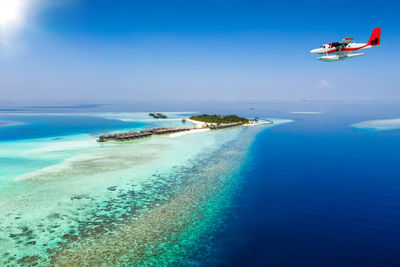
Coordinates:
[66,199]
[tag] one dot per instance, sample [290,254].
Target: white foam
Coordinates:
[277,121]
[379,125]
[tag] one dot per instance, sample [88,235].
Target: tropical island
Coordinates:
[219,119]
[201,123]
[214,122]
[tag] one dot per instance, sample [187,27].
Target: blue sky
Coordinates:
[125,50]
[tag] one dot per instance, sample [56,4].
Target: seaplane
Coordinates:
[344,49]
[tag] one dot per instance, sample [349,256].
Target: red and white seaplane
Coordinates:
[344,49]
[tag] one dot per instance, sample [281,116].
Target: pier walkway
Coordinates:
[136,135]
[225,125]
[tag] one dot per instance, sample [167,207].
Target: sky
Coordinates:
[147,50]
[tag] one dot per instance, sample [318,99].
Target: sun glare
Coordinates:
[11,13]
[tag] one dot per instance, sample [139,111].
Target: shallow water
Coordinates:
[69,195]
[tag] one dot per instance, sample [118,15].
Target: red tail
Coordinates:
[375,38]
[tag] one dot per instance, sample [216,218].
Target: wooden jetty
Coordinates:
[136,135]
[225,125]
[158,115]
[158,131]
[165,130]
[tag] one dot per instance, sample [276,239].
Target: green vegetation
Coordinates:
[219,119]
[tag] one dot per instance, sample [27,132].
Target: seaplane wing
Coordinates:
[346,41]
[341,44]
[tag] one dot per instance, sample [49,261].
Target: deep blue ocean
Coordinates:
[320,193]
[315,192]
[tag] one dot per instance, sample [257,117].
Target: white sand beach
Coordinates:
[198,124]
[189,132]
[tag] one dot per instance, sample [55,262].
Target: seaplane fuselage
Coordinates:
[329,48]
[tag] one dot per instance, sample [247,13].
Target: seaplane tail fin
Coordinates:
[375,38]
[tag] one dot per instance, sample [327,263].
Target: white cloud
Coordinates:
[324,84]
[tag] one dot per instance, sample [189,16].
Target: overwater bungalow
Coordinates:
[158,115]
[142,134]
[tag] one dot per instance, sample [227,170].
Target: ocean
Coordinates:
[313,189]
[320,193]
